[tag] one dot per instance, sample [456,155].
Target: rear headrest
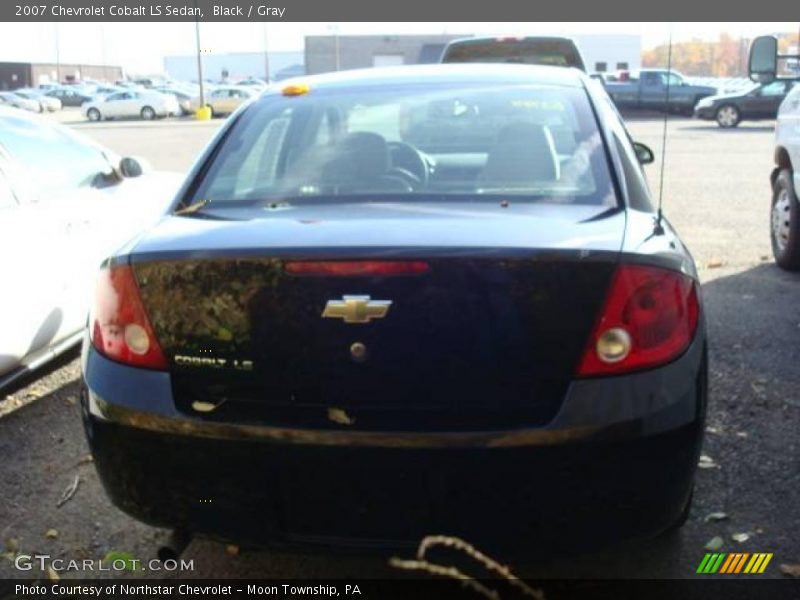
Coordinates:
[523,153]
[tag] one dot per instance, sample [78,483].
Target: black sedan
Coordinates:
[760,101]
[68,97]
[395,302]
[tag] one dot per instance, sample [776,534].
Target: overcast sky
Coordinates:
[140,47]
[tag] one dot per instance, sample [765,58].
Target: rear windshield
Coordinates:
[534,142]
[559,53]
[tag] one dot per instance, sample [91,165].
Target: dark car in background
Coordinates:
[759,101]
[359,328]
[657,89]
[68,97]
[529,50]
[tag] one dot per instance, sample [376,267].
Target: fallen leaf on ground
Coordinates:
[740,537]
[85,460]
[706,462]
[716,516]
[232,549]
[125,557]
[340,417]
[714,263]
[51,574]
[741,434]
[790,570]
[12,544]
[714,543]
[51,534]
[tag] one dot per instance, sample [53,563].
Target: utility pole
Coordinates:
[335,29]
[266,54]
[58,57]
[199,61]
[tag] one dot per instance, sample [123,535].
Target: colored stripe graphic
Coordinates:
[727,564]
[734,563]
[764,564]
[741,562]
[710,563]
[704,563]
[754,563]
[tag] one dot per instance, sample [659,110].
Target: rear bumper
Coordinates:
[617,462]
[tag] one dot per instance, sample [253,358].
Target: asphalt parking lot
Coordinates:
[716,192]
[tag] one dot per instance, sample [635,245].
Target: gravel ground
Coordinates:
[717,195]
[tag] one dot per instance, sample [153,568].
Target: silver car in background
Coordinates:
[127,104]
[17,101]
[46,103]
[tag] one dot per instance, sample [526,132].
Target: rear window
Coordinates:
[558,53]
[539,143]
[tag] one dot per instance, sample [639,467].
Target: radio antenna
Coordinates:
[658,228]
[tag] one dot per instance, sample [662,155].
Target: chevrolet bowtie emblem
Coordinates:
[356,309]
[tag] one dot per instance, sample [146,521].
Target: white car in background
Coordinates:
[47,103]
[785,179]
[127,104]
[66,204]
[16,101]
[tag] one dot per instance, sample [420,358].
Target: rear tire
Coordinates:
[785,222]
[148,114]
[728,116]
[93,114]
[676,525]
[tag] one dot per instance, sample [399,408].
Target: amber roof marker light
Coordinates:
[298,89]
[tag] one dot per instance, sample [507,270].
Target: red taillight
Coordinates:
[649,318]
[120,327]
[357,268]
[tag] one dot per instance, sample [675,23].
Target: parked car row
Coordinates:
[30,100]
[99,101]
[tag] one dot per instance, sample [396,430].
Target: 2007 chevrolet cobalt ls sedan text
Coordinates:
[405,301]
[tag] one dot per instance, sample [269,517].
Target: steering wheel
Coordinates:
[408,163]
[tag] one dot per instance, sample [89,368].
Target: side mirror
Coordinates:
[133,167]
[643,153]
[763,63]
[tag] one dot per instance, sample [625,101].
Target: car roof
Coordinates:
[523,38]
[438,74]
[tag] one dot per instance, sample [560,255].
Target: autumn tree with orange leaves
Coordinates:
[726,57]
